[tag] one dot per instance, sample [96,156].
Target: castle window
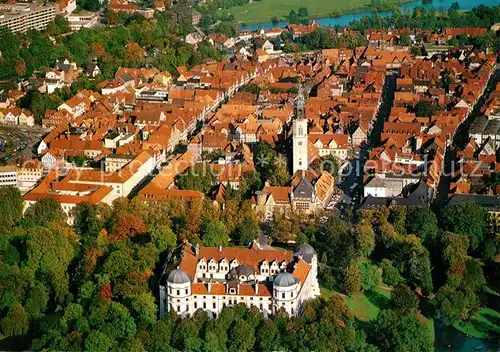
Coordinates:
[187,291]
[178,308]
[292,310]
[283,295]
[195,305]
[214,305]
[204,305]
[178,292]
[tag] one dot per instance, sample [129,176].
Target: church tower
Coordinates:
[299,130]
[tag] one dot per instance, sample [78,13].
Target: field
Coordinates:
[486,324]
[262,11]
[365,306]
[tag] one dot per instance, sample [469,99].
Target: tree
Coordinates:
[16,322]
[390,275]
[128,226]
[248,231]
[46,210]
[163,237]
[197,178]
[134,54]
[452,306]
[405,39]
[11,207]
[242,336]
[352,278]
[423,223]
[403,300]
[303,12]
[468,219]
[370,276]
[214,234]
[365,239]
[280,175]
[97,341]
[392,332]
[144,307]
[425,109]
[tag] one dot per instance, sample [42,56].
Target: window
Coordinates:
[195,305]
[214,305]
[283,295]
[187,291]
[178,292]
[204,305]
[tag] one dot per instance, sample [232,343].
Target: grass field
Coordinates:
[486,324]
[262,11]
[365,306]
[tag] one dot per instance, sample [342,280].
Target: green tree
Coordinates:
[248,231]
[163,237]
[393,332]
[404,300]
[370,276]
[214,234]
[423,223]
[352,278]
[144,307]
[97,341]
[241,336]
[16,322]
[198,178]
[466,218]
[46,210]
[303,12]
[11,207]
[405,40]
[425,109]
[390,275]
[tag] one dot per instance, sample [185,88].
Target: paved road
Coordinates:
[352,183]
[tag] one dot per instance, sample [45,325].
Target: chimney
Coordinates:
[220,248]
[238,289]
[256,287]
[197,249]
[209,286]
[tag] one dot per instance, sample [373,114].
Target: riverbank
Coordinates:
[259,12]
[359,12]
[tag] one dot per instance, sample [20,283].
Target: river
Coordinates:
[450,339]
[344,20]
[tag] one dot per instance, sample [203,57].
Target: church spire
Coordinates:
[300,104]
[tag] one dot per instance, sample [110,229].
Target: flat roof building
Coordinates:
[19,17]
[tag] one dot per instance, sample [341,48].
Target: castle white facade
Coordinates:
[299,135]
[211,278]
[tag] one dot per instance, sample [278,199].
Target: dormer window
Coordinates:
[232,291]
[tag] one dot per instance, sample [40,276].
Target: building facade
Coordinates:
[300,142]
[21,17]
[211,278]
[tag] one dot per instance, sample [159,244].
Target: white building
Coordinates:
[211,278]
[8,176]
[300,142]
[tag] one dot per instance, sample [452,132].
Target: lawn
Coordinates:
[262,11]
[485,324]
[366,305]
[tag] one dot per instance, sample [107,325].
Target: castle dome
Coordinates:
[178,276]
[285,280]
[306,251]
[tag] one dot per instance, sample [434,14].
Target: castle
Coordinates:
[211,278]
